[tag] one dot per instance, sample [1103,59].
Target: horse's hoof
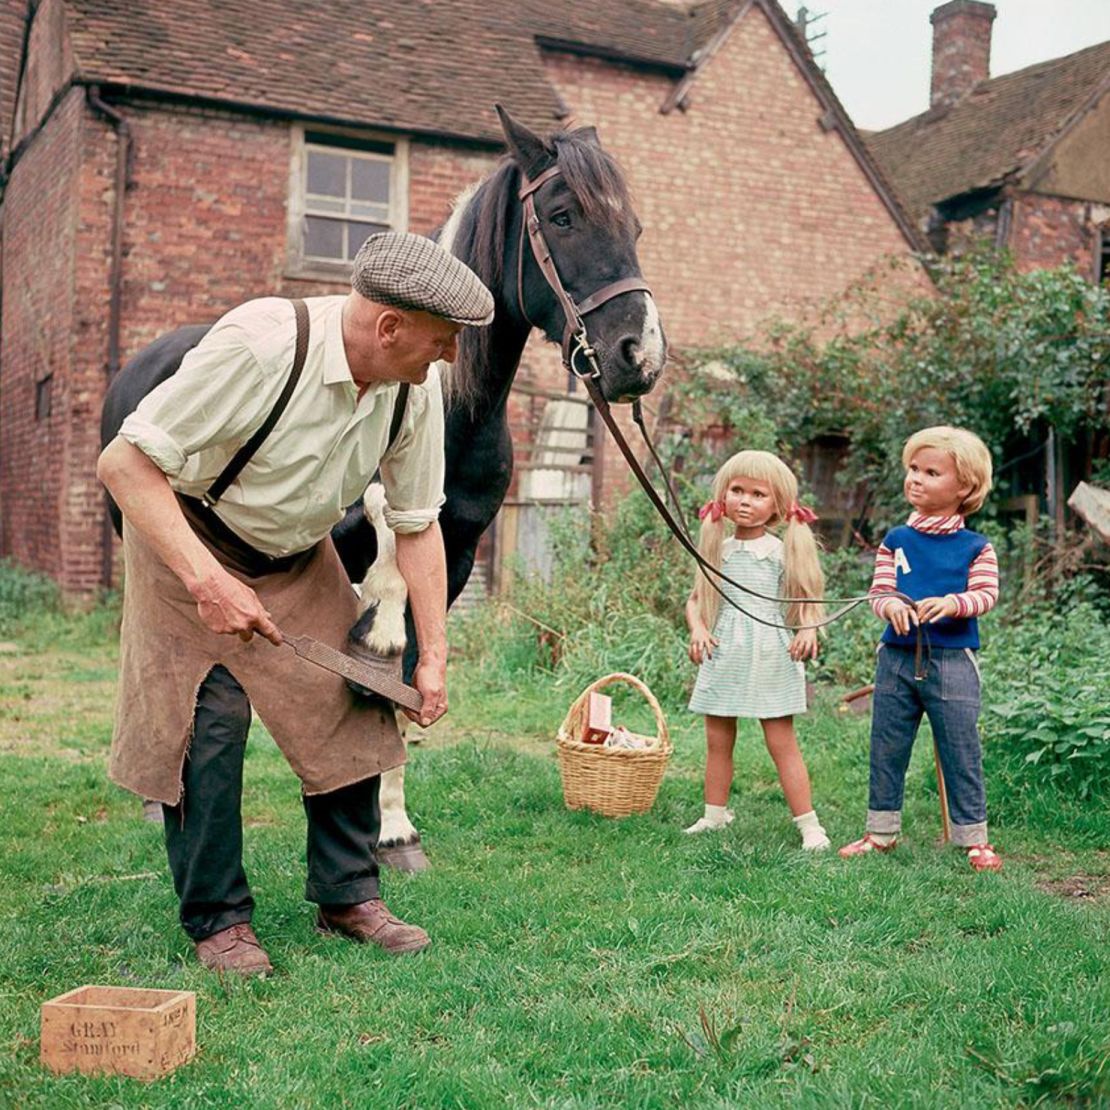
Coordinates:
[404,857]
[152,812]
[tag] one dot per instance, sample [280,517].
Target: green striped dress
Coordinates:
[751,673]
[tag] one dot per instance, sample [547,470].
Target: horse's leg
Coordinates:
[380,629]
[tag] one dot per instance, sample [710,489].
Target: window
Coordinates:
[1102,262]
[343,189]
[43,390]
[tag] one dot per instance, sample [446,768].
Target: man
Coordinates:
[217,550]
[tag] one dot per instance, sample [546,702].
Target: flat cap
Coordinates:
[409,271]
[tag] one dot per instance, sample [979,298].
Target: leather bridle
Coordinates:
[576,343]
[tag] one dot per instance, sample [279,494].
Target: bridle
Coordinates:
[576,343]
[577,348]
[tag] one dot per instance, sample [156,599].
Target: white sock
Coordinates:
[814,837]
[717,815]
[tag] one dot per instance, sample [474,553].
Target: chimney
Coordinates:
[961,49]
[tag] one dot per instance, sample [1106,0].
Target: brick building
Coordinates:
[1019,159]
[165,163]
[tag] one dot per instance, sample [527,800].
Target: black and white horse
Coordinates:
[587,219]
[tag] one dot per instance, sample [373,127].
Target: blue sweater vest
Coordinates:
[932,566]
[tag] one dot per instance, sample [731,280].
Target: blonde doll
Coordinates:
[748,668]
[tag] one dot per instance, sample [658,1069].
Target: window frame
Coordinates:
[296,264]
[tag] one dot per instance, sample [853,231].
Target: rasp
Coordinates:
[382,680]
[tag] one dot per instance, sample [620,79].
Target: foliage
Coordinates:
[1006,354]
[32,607]
[1047,713]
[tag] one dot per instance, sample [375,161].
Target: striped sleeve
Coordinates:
[981,594]
[884,580]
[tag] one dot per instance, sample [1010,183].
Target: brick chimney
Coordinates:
[961,49]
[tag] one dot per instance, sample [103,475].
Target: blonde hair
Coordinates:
[968,452]
[803,576]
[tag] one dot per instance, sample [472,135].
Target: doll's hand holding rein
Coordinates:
[902,616]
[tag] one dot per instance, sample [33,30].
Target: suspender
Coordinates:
[243,456]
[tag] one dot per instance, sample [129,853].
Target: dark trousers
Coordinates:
[204,831]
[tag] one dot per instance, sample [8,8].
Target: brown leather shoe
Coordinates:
[235,949]
[372,921]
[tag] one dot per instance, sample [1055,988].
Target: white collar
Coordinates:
[766,546]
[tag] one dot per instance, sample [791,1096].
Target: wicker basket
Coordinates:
[614,782]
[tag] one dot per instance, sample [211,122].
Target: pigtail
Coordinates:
[803,576]
[710,540]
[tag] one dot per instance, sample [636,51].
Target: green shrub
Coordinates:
[1047,698]
[25,597]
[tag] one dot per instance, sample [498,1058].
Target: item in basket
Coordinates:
[599,719]
[620,737]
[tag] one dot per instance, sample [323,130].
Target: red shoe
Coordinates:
[863,846]
[983,857]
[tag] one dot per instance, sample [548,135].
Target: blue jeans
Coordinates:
[949,696]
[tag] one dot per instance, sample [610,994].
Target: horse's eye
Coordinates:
[561,219]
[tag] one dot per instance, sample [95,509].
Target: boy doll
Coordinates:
[951,574]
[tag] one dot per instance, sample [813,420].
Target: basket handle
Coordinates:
[636,684]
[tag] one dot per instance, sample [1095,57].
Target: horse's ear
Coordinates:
[529,151]
[588,135]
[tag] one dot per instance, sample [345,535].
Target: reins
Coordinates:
[577,348]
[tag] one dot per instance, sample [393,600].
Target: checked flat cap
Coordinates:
[408,271]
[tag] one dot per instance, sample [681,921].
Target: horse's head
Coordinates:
[587,222]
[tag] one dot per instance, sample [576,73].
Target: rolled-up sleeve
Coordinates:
[412,470]
[217,395]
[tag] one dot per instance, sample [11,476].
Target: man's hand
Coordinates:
[932,609]
[431,680]
[230,607]
[804,644]
[701,644]
[901,616]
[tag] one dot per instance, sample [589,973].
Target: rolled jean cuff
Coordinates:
[885,822]
[967,836]
[342,894]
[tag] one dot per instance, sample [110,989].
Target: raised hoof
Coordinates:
[404,857]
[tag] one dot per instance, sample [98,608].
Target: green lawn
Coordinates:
[576,961]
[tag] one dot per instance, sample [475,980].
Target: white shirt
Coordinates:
[321,454]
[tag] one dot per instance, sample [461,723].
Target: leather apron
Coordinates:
[330,736]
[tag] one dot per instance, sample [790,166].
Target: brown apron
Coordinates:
[330,737]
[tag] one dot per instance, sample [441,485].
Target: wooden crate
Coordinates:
[120,1030]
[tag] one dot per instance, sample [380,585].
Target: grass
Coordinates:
[577,961]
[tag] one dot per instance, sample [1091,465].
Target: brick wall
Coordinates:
[750,209]
[41,217]
[1049,231]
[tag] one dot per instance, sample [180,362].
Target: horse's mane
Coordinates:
[479,238]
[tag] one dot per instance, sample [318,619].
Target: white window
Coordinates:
[343,188]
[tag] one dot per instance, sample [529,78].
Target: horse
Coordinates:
[586,215]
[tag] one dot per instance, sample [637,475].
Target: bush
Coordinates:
[1046,711]
[25,597]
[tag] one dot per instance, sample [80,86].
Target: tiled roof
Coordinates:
[992,133]
[416,65]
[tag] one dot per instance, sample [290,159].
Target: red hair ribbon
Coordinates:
[801,514]
[712,509]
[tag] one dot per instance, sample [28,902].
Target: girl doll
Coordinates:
[746,668]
